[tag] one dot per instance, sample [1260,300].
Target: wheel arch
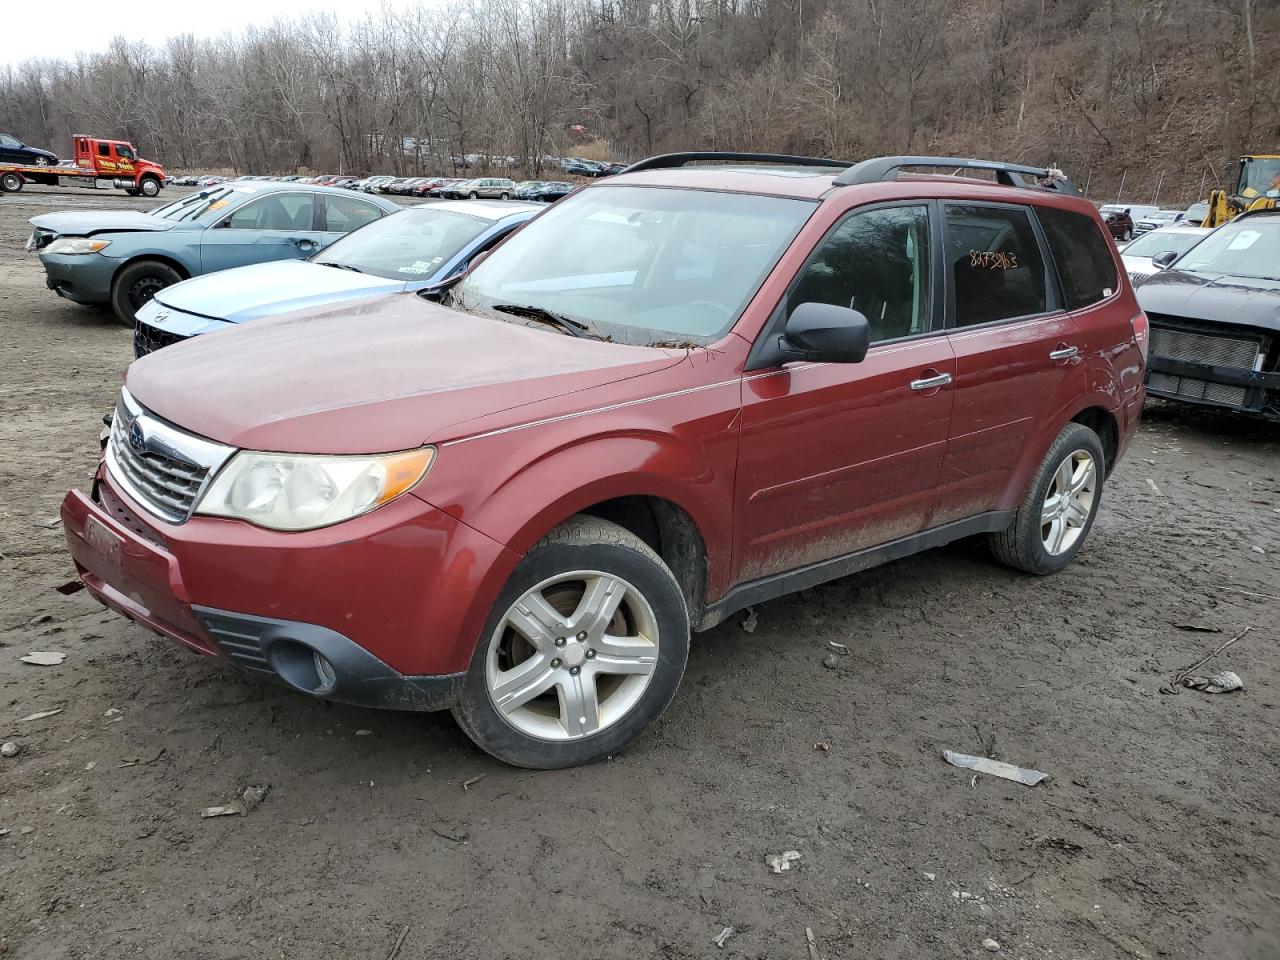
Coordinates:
[1106,425]
[166,259]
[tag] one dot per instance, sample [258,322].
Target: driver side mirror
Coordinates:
[825,333]
[1164,259]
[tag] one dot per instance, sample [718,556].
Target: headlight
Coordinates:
[76,245]
[301,492]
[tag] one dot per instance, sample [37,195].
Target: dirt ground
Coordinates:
[388,835]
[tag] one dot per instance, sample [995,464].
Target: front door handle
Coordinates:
[931,383]
[1064,353]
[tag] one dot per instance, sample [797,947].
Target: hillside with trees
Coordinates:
[1151,92]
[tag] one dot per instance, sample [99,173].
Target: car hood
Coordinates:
[1247,301]
[90,222]
[269,289]
[384,373]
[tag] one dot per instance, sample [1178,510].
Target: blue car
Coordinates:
[416,248]
[124,257]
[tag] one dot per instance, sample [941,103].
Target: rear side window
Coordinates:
[344,214]
[995,263]
[1082,255]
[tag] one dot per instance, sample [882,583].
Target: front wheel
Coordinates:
[504,196]
[1058,511]
[584,649]
[149,187]
[473,195]
[137,283]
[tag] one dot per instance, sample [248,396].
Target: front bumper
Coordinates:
[81,278]
[393,600]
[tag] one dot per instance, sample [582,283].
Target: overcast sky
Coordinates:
[30,30]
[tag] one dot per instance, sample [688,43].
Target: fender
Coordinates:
[516,502]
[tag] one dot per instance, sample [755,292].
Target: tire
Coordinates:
[137,283]
[1027,544]
[42,162]
[10,183]
[504,196]
[473,195]
[647,644]
[149,187]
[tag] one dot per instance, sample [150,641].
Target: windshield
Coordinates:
[1260,178]
[1241,249]
[409,245]
[198,204]
[640,265]
[1159,241]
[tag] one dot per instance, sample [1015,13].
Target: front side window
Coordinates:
[410,245]
[640,264]
[1082,255]
[878,263]
[275,211]
[124,150]
[995,263]
[344,214]
[1245,248]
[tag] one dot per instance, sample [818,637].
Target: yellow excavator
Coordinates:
[1258,188]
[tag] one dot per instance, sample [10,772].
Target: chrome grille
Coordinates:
[1211,348]
[165,469]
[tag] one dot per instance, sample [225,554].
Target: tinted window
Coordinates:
[104,149]
[995,264]
[344,214]
[275,211]
[1082,255]
[877,263]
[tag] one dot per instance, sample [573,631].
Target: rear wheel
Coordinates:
[504,196]
[10,183]
[473,195]
[1058,511]
[136,284]
[583,650]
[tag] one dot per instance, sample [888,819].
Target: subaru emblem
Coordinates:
[136,440]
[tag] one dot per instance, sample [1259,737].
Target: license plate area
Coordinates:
[106,542]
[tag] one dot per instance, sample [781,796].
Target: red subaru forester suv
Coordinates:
[698,385]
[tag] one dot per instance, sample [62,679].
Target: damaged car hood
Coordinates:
[381,374]
[90,222]
[1244,301]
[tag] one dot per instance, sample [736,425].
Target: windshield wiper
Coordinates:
[340,266]
[570,326]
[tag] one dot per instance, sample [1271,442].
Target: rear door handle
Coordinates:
[1064,353]
[931,383]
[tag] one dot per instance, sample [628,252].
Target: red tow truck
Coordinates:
[99,165]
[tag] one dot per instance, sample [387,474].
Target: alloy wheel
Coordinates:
[1069,502]
[572,656]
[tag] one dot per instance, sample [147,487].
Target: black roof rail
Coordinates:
[668,161]
[879,169]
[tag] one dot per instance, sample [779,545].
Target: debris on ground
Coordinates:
[839,648]
[931,877]
[991,946]
[1189,673]
[457,836]
[994,768]
[1223,682]
[364,733]
[44,658]
[831,661]
[113,712]
[751,620]
[41,715]
[242,805]
[1154,489]
[779,862]
[9,749]
[812,942]
[1198,627]
[399,943]
[468,784]
[720,938]
[822,745]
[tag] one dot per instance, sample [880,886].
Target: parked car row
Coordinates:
[1126,221]
[380,478]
